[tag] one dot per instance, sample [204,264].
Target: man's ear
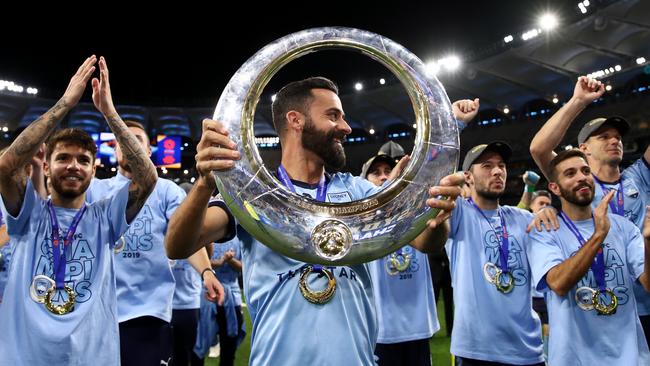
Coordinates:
[554,188]
[295,120]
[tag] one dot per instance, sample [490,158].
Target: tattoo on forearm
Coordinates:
[37,132]
[144,173]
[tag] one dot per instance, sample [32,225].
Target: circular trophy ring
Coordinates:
[585,298]
[506,287]
[285,221]
[66,307]
[602,308]
[317,297]
[490,271]
[402,265]
[41,284]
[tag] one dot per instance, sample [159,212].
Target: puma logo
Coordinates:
[166,363]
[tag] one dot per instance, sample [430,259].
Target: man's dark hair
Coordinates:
[135,124]
[562,156]
[72,136]
[297,96]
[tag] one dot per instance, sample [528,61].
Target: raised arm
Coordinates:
[435,235]
[193,223]
[563,277]
[465,110]
[144,175]
[551,134]
[13,178]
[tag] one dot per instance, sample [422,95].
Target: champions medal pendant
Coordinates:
[506,287]
[490,272]
[584,298]
[395,266]
[41,284]
[602,308]
[67,307]
[119,245]
[317,297]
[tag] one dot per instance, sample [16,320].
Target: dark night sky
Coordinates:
[184,57]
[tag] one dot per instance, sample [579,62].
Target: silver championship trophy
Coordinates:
[335,233]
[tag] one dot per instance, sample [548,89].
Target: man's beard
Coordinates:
[572,195]
[488,194]
[323,145]
[66,192]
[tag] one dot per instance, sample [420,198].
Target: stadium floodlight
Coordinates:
[382,81]
[509,38]
[548,21]
[415,126]
[530,34]
[451,62]
[506,110]
[640,60]
[617,67]
[358,86]
[371,131]
[555,100]
[608,87]
[582,8]
[273,98]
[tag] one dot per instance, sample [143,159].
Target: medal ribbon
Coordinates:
[321,191]
[59,255]
[618,207]
[598,266]
[503,239]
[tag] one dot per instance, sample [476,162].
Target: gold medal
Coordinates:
[490,272]
[67,307]
[506,287]
[317,297]
[602,308]
[404,264]
[119,245]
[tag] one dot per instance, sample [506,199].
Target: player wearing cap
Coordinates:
[493,318]
[601,141]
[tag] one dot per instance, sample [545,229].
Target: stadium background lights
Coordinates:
[267,141]
[608,87]
[449,63]
[371,131]
[16,88]
[382,81]
[5,129]
[640,60]
[583,5]
[186,172]
[509,38]
[605,72]
[506,110]
[272,98]
[415,126]
[555,100]
[358,86]
[548,21]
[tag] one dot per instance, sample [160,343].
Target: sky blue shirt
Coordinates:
[406,307]
[6,251]
[31,335]
[490,325]
[187,293]
[580,337]
[289,330]
[636,185]
[145,283]
[226,274]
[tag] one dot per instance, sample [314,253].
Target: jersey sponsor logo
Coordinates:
[338,197]
[338,272]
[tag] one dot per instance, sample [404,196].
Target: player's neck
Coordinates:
[302,165]
[576,212]
[605,172]
[485,203]
[66,202]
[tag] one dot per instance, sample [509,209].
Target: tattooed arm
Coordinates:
[143,177]
[13,178]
